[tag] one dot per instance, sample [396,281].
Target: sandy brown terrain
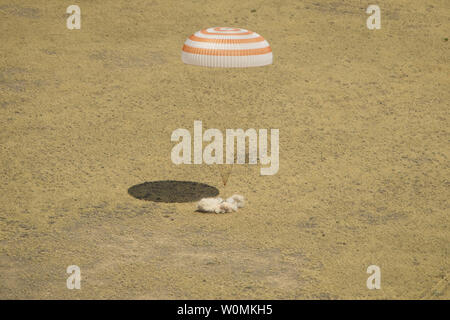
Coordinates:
[364,151]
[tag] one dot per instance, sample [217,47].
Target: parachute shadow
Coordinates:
[171,191]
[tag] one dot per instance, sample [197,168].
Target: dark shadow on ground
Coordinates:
[172,191]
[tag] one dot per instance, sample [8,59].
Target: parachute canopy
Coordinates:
[226,48]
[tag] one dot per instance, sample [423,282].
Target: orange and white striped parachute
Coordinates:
[221,47]
[226,48]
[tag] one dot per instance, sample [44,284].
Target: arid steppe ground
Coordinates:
[364,151]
